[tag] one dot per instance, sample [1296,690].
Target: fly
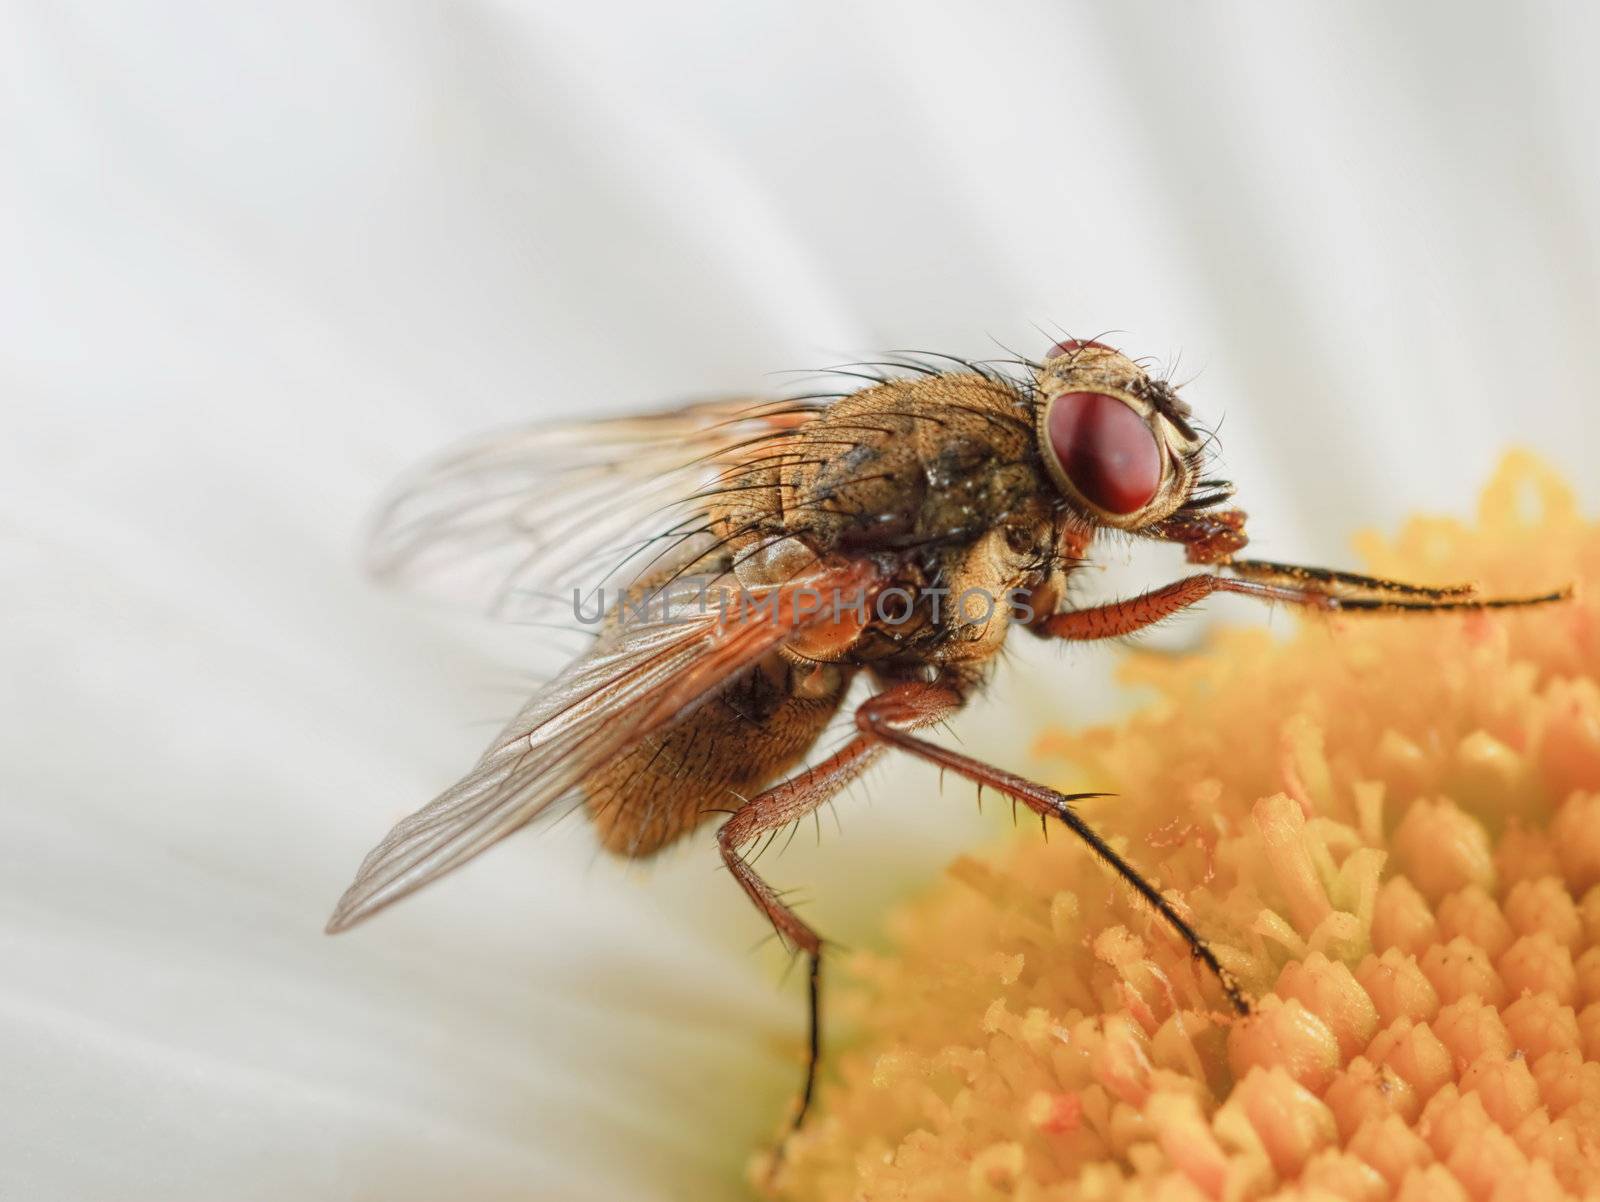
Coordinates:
[846,527]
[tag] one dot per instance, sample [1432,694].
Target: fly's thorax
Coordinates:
[943,477]
[914,463]
[964,604]
[763,559]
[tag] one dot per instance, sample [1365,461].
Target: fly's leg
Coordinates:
[771,811]
[1125,617]
[1313,588]
[1328,579]
[888,720]
[891,716]
[1352,591]
[1217,538]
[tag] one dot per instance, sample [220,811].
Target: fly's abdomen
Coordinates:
[732,747]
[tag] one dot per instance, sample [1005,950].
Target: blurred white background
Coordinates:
[257,258]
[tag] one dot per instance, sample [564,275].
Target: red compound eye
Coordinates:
[1106,450]
[1074,344]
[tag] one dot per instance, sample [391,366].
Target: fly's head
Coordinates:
[1118,444]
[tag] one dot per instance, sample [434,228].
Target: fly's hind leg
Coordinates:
[888,720]
[776,808]
[771,811]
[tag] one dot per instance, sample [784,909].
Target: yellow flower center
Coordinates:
[1387,828]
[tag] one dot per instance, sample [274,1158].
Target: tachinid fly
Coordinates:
[965,493]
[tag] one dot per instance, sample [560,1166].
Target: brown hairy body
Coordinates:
[946,468]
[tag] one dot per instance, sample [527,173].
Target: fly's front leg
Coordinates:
[1353,591]
[1120,618]
[1125,617]
[891,716]
[1217,538]
[1311,588]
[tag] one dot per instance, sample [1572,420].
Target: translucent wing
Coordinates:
[517,520]
[638,679]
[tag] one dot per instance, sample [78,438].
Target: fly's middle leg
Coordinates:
[891,716]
